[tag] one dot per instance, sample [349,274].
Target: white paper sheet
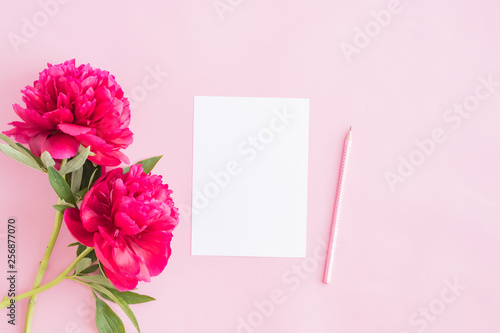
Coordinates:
[250,176]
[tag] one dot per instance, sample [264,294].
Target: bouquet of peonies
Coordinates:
[75,124]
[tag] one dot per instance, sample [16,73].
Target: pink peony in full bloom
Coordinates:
[128,219]
[68,106]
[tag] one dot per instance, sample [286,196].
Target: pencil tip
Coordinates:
[350,128]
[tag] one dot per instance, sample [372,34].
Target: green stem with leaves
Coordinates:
[35,291]
[43,266]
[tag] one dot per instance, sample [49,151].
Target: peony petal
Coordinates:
[143,274]
[84,111]
[75,227]
[154,249]
[36,143]
[108,233]
[121,282]
[103,95]
[108,124]
[61,146]
[105,159]
[22,132]
[73,89]
[92,220]
[125,258]
[74,130]
[120,156]
[119,258]
[118,195]
[89,82]
[33,99]
[33,118]
[126,225]
[55,71]
[89,94]
[63,101]
[103,251]
[97,144]
[59,116]
[124,138]
[50,88]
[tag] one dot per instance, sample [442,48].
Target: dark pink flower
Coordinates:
[68,106]
[128,219]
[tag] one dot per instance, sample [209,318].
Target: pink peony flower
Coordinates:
[69,106]
[128,219]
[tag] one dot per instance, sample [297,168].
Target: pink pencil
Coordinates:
[334,231]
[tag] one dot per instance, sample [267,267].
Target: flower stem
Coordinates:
[42,268]
[43,265]
[64,275]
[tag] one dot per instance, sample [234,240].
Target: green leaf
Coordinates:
[118,300]
[47,160]
[90,174]
[103,272]
[90,269]
[80,249]
[82,264]
[80,194]
[97,279]
[74,244]
[20,148]
[91,180]
[106,320]
[8,140]
[20,156]
[61,187]
[130,297]
[76,162]
[92,256]
[61,208]
[76,180]
[147,164]
[27,151]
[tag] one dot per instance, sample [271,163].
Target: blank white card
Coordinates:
[250,160]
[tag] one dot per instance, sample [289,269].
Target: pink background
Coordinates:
[397,248]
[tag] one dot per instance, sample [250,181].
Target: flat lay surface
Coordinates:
[418,81]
